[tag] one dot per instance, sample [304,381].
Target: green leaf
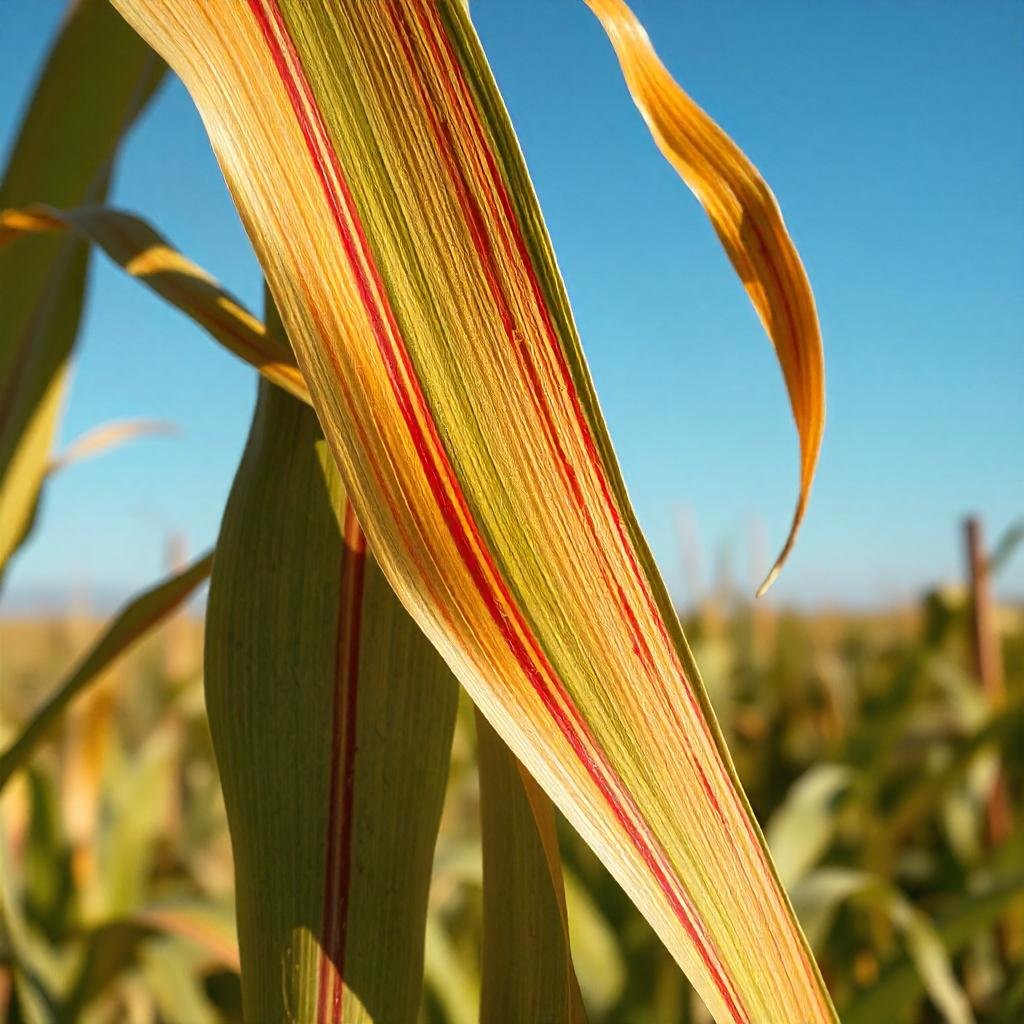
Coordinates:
[447,977]
[527,971]
[801,829]
[818,898]
[901,982]
[332,721]
[97,79]
[137,617]
[1006,546]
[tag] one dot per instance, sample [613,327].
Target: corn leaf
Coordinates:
[97,78]
[136,619]
[105,438]
[902,982]
[746,217]
[802,828]
[379,179]
[209,927]
[527,970]
[332,722]
[146,255]
[449,980]
[819,896]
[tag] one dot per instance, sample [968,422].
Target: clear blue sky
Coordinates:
[893,135]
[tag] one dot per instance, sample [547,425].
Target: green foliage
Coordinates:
[896,824]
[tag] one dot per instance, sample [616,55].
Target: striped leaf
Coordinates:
[382,186]
[97,78]
[332,721]
[747,220]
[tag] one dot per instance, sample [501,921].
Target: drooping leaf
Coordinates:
[97,78]
[747,220]
[903,981]
[332,721]
[527,970]
[137,617]
[818,898]
[146,255]
[379,179]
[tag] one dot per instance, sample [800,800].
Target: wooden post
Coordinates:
[988,667]
[988,662]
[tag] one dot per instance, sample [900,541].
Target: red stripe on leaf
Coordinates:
[341,808]
[435,463]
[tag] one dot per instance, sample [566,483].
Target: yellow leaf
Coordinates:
[146,255]
[748,221]
[381,184]
[109,435]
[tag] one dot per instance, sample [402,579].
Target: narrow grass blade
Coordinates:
[332,722]
[146,255]
[134,621]
[527,971]
[746,217]
[106,437]
[379,178]
[208,926]
[97,78]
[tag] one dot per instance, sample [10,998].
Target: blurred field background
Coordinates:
[882,748]
[888,779]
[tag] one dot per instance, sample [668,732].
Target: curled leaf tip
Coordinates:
[749,224]
[773,573]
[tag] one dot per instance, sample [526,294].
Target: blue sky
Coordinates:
[893,135]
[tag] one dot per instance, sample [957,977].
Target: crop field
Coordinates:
[862,740]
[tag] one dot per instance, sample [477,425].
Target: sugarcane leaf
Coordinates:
[332,722]
[527,971]
[137,618]
[97,78]
[140,250]
[379,179]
